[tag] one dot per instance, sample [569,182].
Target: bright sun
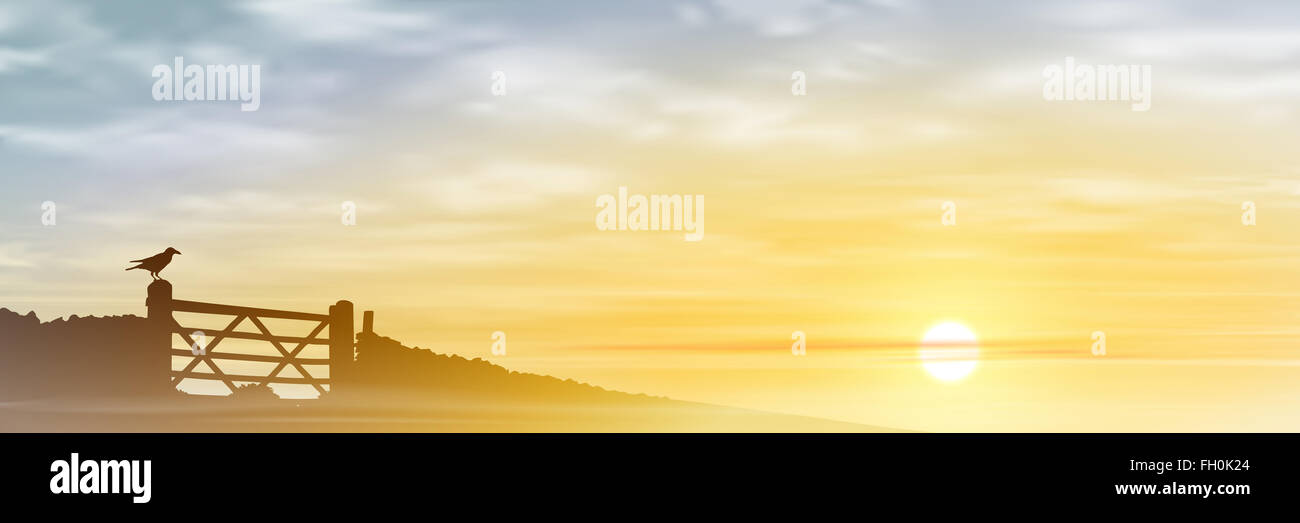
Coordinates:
[949,351]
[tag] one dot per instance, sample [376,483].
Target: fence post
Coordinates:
[159,303]
[341,343]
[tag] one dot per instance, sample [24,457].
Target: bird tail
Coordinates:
[136,267]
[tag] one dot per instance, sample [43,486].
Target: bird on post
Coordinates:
[155,263]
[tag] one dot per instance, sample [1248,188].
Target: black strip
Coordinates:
[743,472]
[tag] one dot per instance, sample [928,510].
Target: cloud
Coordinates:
[1237,88]
[512,186]
[342,21]
[1121,190]
[738,121]
[15,257]
[791,18]
[691,15]
[160,137]
[1208,44]
[552,87]
[781,18]
[1104,14]
[14,60]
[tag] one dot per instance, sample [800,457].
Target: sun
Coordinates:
[949,351]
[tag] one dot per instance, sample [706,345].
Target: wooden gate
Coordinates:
[340,340]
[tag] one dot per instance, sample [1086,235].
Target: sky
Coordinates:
[475,138]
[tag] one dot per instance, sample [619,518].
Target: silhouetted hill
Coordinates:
[386,367]
[75,358]
[96,357]
[99,374]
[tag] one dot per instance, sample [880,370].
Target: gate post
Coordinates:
[160,322]
[341,344]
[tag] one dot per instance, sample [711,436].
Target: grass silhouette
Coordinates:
[99,374]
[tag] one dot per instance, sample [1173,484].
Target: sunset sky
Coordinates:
[475,212]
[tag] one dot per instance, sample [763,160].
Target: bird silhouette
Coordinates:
[154,264]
